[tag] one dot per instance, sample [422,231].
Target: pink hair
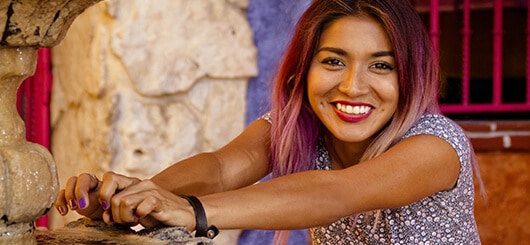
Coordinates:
[295,127]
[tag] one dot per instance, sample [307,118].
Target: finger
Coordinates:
[123,208]
[107,217]
[149,222]
[69,192]
[147,206]
[167,208]
[84,184]
[112,184]
[125,203]
[150,205]
[61,203]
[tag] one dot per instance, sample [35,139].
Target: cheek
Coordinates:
[392,97]
[312,90]
[389,90]
[318,83]
[316,90]
[393,93]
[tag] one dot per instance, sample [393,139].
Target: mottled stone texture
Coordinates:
[139,85]
[36,22]
[28,177]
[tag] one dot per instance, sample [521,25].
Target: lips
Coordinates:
[353,112]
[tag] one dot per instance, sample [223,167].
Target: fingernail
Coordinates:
[105,205]
[82,203]
[72,204]
[61,210]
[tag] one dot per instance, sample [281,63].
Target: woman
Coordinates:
[354,140]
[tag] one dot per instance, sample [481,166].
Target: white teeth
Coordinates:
[358,110]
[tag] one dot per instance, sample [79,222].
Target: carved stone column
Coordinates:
[28,177]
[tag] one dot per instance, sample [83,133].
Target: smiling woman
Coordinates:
[352,82]
[357,148]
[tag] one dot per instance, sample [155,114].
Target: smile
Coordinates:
[354,110]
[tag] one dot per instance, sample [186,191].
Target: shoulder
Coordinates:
[442,127]
[267,117]
[435,124]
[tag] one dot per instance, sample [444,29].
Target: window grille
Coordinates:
[504,95]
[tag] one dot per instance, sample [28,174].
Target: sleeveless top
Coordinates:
[446,217]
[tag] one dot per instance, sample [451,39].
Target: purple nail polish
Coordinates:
[72,204]
[82,203]
[105,205]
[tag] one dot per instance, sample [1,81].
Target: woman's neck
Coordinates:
[344,154]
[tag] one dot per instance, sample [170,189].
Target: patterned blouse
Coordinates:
[446,217]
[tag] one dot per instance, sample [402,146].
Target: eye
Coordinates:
[332,62]
[382,67]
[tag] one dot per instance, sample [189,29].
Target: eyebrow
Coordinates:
[342,52]
[333,50]
[383,53]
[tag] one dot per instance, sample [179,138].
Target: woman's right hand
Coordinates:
[86,194]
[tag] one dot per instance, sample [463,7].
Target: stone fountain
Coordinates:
[28,177]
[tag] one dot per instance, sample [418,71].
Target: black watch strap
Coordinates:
[201,224]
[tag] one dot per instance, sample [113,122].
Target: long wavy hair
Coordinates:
[295,127]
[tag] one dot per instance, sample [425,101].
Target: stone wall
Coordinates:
[141,84]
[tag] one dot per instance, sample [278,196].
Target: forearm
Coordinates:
[297,201]
[240,163]
[198,175]
[205,174]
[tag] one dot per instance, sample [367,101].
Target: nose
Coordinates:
[353,83]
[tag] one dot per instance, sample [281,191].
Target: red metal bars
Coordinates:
[435,24]
[466,35]
[528,54]
[497,76]
[497,52]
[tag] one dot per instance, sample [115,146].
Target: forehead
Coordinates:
[355,31]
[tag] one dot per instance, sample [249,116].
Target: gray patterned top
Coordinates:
[445,217]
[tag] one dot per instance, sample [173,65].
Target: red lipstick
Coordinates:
[351,118]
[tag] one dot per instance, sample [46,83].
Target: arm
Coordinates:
[413,169]
[242,162]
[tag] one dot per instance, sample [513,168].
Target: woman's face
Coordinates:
[353,81]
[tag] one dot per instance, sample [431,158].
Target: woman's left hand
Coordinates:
[148,204]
